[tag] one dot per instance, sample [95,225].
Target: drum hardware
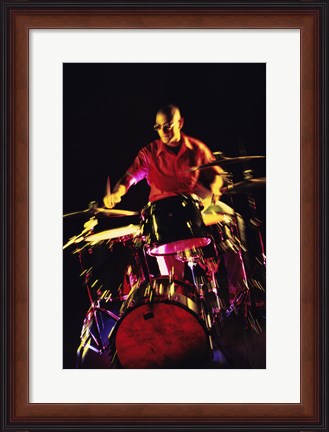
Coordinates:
[254,324]
[210,312]
[257,278]
[212,304]
[210,287]
[229,240]
[225,161]
[248,185]
[240,298]
[188,255]
[94,210]
[243,298]
[227,237]
[254,221]
[92,327]
[224,238]
[245,186]
[152,294]
[88,228]
[100,244]
[92,314]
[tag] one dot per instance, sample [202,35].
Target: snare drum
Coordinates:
[162,325]
[172,225]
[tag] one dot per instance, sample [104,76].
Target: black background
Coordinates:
[108,115]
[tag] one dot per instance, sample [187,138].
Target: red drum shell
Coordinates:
[161,328]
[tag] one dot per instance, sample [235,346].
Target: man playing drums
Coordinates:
[167,165]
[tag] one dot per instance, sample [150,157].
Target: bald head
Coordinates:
[170,111]
[168,123]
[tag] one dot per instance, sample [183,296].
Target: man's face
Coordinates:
[169,128]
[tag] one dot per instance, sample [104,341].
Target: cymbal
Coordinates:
[245,186]
[116,212]
[104,212]
[226,161]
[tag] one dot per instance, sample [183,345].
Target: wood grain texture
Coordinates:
[22,412]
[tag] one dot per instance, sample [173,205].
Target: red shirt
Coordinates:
[164,170]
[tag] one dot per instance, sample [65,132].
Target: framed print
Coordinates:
[82,83]
[224,91]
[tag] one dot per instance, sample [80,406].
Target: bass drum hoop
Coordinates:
[162,333]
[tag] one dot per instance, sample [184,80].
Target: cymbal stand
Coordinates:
[91,317]
[243,296]
[209,314]
[210,266]
[254,221]
[235,230]
[88,228]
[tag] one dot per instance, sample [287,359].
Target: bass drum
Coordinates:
[162,325]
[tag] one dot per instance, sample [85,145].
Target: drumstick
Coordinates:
[108,187]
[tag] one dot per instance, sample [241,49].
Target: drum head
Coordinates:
[113,233]
[161,335]
[179,246]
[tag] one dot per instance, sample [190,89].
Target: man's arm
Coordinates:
[216,186]
[137,171]
[212,178]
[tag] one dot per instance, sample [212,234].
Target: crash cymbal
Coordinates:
[226,161]
[245,186]
[103,212]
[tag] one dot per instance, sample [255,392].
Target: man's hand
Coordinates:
[110,200]
[215,188]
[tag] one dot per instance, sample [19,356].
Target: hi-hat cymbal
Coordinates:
[103,212]
[245,186]
[226,161]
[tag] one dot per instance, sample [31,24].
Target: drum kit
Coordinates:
[143,313]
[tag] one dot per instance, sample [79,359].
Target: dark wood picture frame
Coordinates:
[312,18]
